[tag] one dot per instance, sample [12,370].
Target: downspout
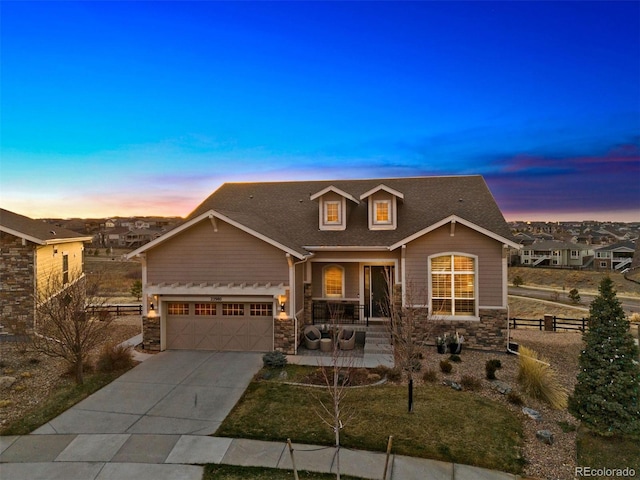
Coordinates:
[292,294]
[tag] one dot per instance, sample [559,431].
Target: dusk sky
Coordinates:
[144,108]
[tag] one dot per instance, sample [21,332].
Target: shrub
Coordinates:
[430,376]
[490,368]
[539,380]
[470,382]
[574,296]
[517,281]
[445,366]
[274,360]
[115,357]
[514,398]
[455,358]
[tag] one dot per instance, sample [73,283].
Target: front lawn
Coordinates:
[446,425]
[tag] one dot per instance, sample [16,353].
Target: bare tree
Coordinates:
[408,328]
[70,320]
[336,374]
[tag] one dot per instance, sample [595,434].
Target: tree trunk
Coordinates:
[79,368]
[410,394]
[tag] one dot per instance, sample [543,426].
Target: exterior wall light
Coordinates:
[152,311]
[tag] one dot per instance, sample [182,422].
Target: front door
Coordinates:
[376,288]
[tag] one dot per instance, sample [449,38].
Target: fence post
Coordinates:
[549,323]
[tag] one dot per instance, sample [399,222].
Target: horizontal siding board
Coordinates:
[465,240]
[202,254]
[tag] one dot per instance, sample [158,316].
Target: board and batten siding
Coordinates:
[202,254]
[466,241]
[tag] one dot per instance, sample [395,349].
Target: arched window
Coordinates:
[453,285]
[333,281]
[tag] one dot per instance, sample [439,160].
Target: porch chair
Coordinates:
[312,337]
[347,339]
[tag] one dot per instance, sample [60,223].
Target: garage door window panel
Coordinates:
[233,309]
[261,309]
[205,309]
[175,308]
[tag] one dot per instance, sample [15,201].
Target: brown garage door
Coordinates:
[244,327]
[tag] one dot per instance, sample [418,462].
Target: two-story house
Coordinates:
[256,262]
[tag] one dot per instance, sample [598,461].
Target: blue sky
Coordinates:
[133,108]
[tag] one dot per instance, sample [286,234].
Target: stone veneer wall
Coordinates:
[17,280]
[284,335]
[489,333]
[151,333]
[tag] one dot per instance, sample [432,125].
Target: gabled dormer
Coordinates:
[332,208]
[382,207]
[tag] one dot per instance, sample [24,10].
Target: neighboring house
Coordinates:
[614,257]
[256,262]
[551,253]
[32,254]
[139,236]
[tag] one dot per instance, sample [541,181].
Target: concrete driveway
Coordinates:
[173,392]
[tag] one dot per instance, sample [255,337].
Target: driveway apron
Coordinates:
[174,392]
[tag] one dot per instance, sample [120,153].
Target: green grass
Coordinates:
[228,472]
[63,398]
[599,452]
[445,425]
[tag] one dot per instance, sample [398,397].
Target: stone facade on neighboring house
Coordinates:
[17,279]
[33,255]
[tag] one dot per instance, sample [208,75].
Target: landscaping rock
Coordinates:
[501,387]
[545,436]
[452,384]
[532,413]
[7,382]
[283,375]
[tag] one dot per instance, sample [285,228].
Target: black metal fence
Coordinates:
[339,312]
[550,323]
[115,309]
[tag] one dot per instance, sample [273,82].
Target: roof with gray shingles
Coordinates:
[284,212]
[36,231]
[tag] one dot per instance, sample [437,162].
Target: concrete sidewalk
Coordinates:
[179,457]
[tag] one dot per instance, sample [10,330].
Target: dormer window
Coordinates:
[333,208]
[383,207]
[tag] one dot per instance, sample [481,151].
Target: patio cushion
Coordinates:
[347,334]
[311,335]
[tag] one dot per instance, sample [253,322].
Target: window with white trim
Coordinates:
[332,212]
[333,281]
[382,212]
[453,285]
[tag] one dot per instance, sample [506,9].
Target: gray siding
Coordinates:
[200,254]
[465,240]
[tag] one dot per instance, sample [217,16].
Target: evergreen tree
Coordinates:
[606,397]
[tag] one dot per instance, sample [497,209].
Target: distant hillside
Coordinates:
[584,280]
